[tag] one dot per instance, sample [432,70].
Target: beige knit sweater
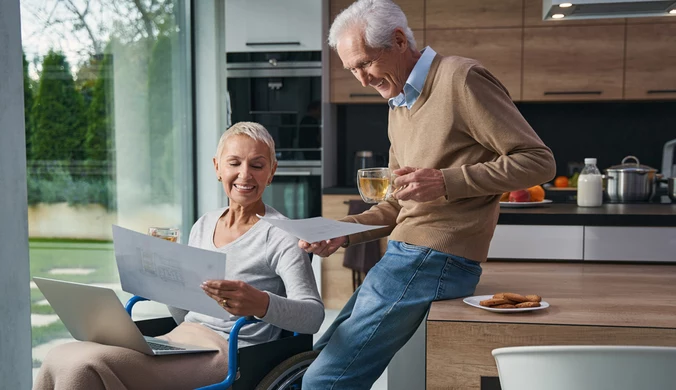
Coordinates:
[465,124]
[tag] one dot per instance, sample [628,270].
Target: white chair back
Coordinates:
[586,368]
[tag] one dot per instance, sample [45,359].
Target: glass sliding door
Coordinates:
[108,100]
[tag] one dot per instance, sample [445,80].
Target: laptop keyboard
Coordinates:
[163,347]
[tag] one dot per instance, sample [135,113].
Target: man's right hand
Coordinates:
[323,248]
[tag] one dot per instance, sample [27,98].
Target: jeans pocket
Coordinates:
[412,247]
[459,278]
[473,267]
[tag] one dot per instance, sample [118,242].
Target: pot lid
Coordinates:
[631,166]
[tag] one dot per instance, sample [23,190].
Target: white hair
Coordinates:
[378,18]
[253,130]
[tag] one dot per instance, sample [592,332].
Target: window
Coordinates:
[108,101]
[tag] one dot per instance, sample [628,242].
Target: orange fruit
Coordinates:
[504,197]
[537,194]
[561,182]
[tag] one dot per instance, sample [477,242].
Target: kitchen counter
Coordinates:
[648,214]
[591,304]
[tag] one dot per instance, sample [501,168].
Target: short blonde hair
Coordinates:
[253,130]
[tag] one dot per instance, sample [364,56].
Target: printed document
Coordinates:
[167,272]
[318,228]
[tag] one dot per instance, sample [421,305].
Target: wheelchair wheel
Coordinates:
[289,373]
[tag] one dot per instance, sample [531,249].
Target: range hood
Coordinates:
[599,9]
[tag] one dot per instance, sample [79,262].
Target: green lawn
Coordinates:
[49,254]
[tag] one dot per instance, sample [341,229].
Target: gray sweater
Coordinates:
[270,260]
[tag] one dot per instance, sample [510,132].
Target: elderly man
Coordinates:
[457,143]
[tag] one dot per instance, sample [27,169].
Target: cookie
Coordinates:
[528,304]
[515,297]
[504,306]
[494,302]
[534,298]
[499,296]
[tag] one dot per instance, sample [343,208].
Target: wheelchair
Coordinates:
[276,365]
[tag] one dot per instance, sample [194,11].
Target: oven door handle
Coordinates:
[293,173]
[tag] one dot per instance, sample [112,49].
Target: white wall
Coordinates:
[15,326]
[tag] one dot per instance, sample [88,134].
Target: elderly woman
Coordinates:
[267,276]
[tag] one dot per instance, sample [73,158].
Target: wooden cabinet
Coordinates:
[650,61]
[533,17]
[336,279]
[562,60]
[657,19]
[473,14]
[498,49]
[573,63]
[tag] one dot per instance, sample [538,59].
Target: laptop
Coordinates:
[95,314]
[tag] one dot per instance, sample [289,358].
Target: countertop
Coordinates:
[579,294]
[635,214]
[649,214]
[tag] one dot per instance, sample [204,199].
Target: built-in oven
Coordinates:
[282,91]
[296,191]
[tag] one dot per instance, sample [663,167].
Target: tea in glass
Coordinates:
[169,234]
[375,184]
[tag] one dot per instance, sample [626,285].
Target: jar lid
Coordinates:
[590,160]
[635,166]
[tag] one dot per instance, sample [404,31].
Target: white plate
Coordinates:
[517,205]
[474,301]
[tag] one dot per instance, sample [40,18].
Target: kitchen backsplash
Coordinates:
[608,131]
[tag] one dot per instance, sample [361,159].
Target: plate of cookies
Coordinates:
[507,302]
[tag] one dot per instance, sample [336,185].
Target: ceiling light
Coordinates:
[558,16]
[598,9]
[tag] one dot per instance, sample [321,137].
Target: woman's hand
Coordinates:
[238,298]
[323,248]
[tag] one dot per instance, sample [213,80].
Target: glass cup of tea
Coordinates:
[375,184]
[169,234]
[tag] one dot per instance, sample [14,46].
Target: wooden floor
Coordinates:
[591,304]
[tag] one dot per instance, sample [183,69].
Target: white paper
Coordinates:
[167,272]
[318,228]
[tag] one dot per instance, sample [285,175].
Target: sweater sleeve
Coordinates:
[383,213]
[494,122]
[302,309]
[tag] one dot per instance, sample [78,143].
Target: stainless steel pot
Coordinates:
[630,182]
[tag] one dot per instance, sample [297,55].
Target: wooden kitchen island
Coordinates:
[591,304]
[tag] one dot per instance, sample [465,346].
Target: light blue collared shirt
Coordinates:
[416,80]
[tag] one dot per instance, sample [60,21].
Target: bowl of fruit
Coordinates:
[529,197]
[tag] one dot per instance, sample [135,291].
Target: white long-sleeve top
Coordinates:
[270,260]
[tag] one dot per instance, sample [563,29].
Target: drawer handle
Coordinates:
[354,95]
[573,93]
[273,43]
[656,91]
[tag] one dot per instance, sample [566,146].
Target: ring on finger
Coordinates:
[223,302]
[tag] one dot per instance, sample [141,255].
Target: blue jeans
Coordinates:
[385,312]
